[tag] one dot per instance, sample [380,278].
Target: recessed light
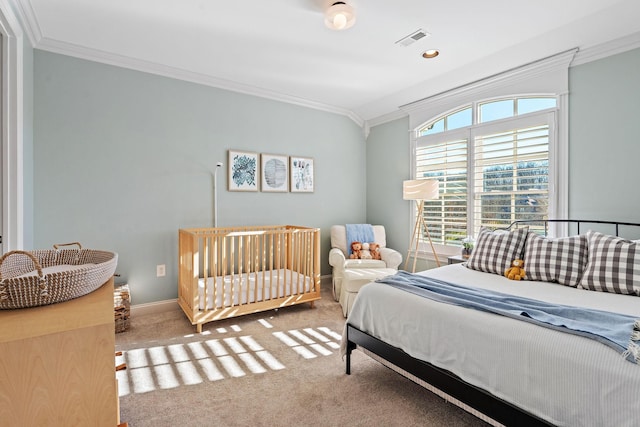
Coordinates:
[431,53]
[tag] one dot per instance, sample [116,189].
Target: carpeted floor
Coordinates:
[274,368]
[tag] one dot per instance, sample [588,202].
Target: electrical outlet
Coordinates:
[160,270]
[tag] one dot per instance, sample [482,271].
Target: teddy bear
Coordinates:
[356,248]
[374,248]
[365,253]
[516,271]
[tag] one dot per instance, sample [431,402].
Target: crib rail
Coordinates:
[249,269]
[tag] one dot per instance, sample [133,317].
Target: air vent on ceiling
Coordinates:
[412,38]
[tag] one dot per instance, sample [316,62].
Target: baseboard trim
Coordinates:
[154,307]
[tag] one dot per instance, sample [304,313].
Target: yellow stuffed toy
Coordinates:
[516,271]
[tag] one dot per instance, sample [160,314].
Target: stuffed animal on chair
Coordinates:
[374,248]
[356,249]
[516,271]
[365,253]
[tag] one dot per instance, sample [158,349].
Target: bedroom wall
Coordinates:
[605,148]
[387,166]
[123,159]
[604,107]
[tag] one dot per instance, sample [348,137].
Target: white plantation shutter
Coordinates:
[511,176]
[448,163]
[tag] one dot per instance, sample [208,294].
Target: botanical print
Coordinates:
[301,174]
[275,173]
[243,171]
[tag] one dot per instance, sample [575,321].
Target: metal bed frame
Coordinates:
[577,222]
[493,407]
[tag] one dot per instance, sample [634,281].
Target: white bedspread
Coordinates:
[251,287]
[565,379]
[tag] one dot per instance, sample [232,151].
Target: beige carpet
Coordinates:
[276,368]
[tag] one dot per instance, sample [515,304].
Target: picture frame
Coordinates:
[274,173]
[244,171]
[301,174]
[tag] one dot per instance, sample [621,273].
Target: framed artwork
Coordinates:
[301,175]
[274,172]
[243,171]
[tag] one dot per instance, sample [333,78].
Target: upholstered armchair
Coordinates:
[340,261]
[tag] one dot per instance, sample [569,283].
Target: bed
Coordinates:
[506,371]
[231,271]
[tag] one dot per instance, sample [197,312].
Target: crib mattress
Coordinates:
[246,288]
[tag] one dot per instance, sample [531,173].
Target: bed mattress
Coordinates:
[251,287]
[566,379]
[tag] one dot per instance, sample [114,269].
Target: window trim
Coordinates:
[470,133]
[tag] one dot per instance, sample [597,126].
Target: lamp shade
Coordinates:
[339,16]
[420,189]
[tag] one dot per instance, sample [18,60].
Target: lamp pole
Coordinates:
[215,194]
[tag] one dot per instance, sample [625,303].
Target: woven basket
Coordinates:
[41,277]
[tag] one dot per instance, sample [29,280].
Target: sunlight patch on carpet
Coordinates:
[163,367]
[303,342]
[266,324]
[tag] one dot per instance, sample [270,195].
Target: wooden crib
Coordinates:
[232,271]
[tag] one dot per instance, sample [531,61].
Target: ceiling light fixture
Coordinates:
[431,53]
[339,16]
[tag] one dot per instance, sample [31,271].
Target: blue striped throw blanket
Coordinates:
[362,233]
[619,331]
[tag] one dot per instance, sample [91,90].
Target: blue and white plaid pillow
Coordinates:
[560,260]
[614,265]
[495,250]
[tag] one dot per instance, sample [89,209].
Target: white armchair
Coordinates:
[339,258]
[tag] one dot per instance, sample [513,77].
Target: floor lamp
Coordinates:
[420,190]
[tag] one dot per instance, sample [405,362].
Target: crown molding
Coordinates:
[28,22]
[109,58]
[609,48]
[386,118]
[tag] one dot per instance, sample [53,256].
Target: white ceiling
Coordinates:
[282,50]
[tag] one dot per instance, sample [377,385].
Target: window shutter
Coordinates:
[447,162]
[511,176]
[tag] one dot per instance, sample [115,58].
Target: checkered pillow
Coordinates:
[494,251]
[614,265]
[560,260]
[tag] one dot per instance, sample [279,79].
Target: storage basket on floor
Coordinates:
[41,277]
[121,307]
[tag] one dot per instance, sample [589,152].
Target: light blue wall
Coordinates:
[387,166]
[123,159]
[604,154]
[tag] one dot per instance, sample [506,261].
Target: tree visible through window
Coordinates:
[493,166]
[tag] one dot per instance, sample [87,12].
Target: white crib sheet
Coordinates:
[273,283]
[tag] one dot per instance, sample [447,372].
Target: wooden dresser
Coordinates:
[57,365]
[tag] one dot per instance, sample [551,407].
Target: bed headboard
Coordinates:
[629,230]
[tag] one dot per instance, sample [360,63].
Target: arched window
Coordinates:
[498,147]
[491,158]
